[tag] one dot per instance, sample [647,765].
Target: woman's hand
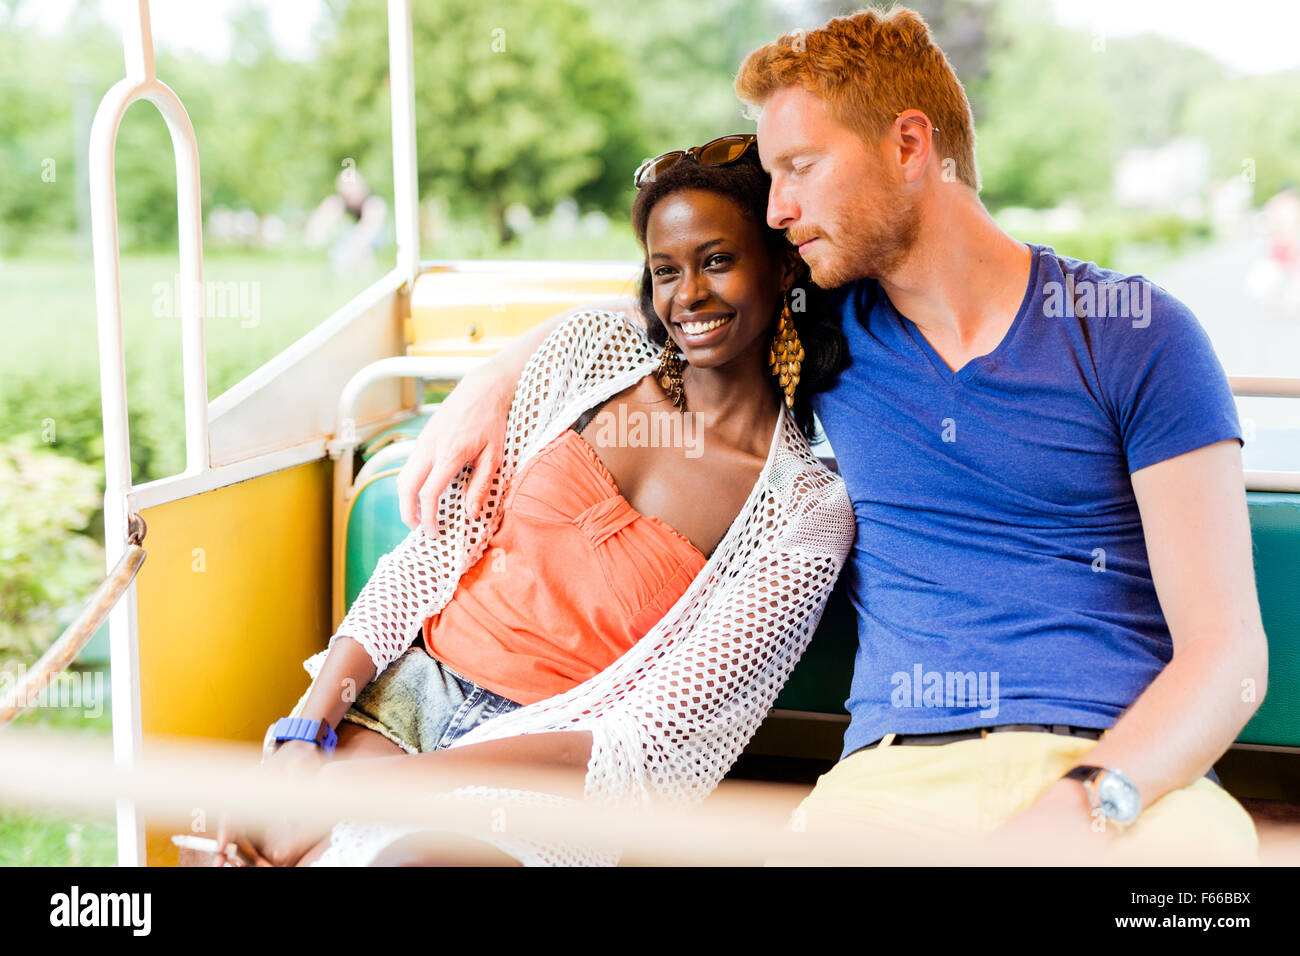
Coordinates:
[285,842]
[469,426]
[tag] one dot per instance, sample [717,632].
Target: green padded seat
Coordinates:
[820,682]
[374,523]
[1275,528]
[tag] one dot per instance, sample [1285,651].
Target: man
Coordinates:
[1044,459]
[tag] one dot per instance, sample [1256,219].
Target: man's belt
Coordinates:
[951,736]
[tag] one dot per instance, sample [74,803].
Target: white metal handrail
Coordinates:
[1287,482]
[1254,387]
[428,369]
[140,83]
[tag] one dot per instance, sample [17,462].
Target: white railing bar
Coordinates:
[1286,482]
[541,268]
[397,451]
[103,207]
[439,369]
[1254,387]
[401,93]
[137,43]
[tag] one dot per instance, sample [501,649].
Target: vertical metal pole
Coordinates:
[401,91]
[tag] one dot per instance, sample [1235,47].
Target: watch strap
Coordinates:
[318,732]
[1083,772]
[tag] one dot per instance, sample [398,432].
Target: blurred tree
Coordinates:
[684,55]
[1149,81]
[46,564]
[36,142]
[523,102]
[246,114]
[1046,130]
[9,11]
[254,123]
[1252,124]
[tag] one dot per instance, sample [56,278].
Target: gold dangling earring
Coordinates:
[670,373]
[786,355]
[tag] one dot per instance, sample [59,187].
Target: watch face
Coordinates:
[1118,797]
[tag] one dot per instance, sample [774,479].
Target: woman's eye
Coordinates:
[800,170]
[666,272]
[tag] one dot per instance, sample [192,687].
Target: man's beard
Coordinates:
[866,252]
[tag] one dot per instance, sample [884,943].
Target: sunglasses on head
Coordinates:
[716,152]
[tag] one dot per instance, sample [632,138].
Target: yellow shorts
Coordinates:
[971,786]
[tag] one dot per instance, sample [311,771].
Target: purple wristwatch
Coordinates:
[317,732]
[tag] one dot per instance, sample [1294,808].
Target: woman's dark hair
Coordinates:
[746,184]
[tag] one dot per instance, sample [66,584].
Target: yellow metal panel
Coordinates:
[234,595]
[476,313]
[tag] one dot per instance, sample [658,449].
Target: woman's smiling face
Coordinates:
[716,286]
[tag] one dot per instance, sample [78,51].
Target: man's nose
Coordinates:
[782,212]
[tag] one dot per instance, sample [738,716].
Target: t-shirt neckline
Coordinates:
[953,376]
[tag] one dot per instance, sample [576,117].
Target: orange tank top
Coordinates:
[572,578]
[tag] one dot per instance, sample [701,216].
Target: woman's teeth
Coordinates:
[698,328]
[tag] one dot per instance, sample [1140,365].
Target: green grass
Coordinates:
[30,837]
[40,840]
[49,315]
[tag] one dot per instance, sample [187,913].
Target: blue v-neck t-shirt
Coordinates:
[1000,575]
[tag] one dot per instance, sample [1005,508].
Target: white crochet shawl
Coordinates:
[670,717]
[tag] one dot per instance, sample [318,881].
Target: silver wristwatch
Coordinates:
[1110,791]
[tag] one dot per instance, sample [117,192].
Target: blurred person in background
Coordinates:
[354,218]
[1275,279]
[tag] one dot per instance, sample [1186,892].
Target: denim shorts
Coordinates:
[421,704]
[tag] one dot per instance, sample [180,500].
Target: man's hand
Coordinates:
[469,426]
[1060,819]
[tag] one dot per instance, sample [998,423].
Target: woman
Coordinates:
[609,571]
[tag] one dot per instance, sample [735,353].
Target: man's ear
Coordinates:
[911,136]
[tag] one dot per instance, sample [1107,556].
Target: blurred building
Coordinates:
[1172,177]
